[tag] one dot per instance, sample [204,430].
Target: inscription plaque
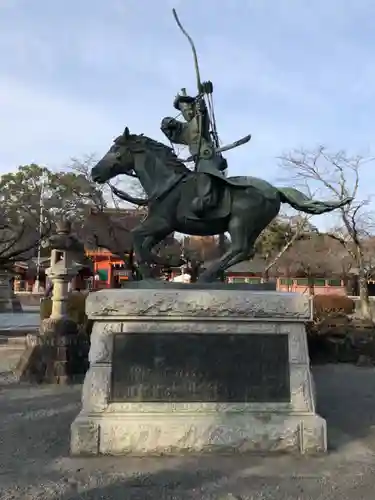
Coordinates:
[170,367]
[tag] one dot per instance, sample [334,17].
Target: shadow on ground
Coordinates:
[346,399]
[35,463]
[34,427]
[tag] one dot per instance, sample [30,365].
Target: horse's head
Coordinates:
[154,164]
[118,160]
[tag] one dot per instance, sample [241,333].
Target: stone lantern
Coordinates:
[58,354]
[67,254]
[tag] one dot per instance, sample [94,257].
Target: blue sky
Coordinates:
[292,73]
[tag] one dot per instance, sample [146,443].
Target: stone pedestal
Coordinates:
[6,304]
[56,355]
[197,370]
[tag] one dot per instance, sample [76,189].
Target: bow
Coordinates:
[206,88]
[196,64]
[199,83]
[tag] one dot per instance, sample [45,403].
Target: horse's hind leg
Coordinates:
[268,212]
[230,258]
[238,252]
[249,219]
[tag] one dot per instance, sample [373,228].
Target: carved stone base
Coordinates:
[173,432]
[57,355]
[154,388]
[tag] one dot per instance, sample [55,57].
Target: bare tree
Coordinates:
[19,241]
[102,195]
[293,227]
[204,248]
[339,174]
[314,257]
[296,228]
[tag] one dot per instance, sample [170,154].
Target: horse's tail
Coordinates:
[300,201]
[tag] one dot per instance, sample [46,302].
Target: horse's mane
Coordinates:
[170,158]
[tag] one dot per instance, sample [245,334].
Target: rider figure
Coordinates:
[195,133]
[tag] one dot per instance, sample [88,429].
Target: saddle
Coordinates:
[189,191]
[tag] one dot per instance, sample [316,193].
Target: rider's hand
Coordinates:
[207,87]
[223,164]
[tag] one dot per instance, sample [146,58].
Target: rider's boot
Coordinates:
[205,201]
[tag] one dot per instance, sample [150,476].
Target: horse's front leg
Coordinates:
[145,236]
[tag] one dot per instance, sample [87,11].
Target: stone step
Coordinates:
[14,338]
[13,341]
[18,332]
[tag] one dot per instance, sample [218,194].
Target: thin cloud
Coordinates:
[293,74]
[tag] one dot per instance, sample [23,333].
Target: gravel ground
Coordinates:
[34,460]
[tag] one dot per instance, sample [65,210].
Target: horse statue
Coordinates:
[244,206]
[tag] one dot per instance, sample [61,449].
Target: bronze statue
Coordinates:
[244,205]
[202,202]
[195,133]
[199,133]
